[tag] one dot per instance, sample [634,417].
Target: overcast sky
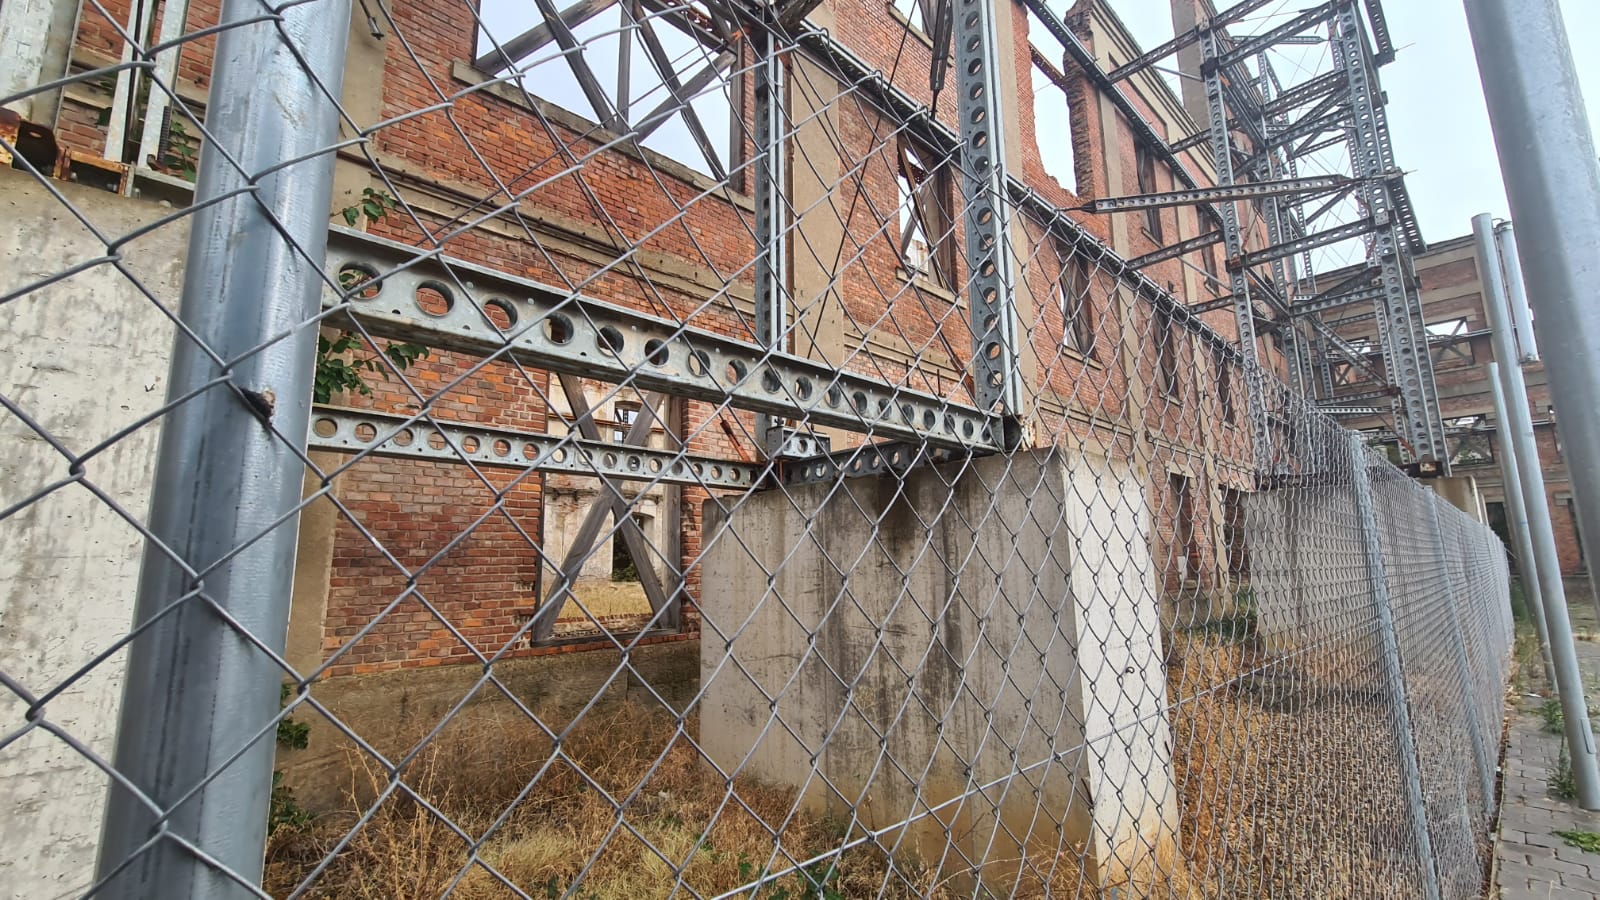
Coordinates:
[1436,113]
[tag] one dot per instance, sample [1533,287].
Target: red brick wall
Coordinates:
[474,143]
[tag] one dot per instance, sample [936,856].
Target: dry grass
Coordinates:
[540,822]
[603,598]
[1284,796]
[1275,800]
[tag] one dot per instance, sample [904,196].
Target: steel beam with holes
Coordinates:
[1364,397]
[1316,307]
[1261,436]
[865,460]
[385,434]
[1304,93]
[1182,248]
[996,374]
[1311,126]
[1212,305]
[562,331]
[1309,242]
[1156,54]
[772,220]
[1352,355]
[1247,191]
[1243,50]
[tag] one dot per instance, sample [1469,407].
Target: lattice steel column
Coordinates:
[997,378]
[1233,242]
[196,738]
[1408,362]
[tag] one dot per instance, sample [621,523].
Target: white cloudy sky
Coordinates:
[1436,111]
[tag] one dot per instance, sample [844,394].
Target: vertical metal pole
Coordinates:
[1393,672]
[1552,179]
[195,739]
[772,313]
[1516,289]
[1480,747]
[1517,519]
[1547,564]
[991,302]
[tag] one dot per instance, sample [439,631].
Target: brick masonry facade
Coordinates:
[437,563]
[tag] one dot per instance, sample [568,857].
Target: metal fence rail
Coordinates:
[676,450]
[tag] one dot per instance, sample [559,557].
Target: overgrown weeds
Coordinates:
[1587,841]
[624,806]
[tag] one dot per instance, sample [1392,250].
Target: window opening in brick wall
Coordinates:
[626,67]
[1072,299]
[1471,440]
[1166,353]
[1449,344]
[1183,537]
[1147,185]
[913,14]
[1224,385]
[623,567]
[623,415]
[1052,114]
[1234,533]
[923,186]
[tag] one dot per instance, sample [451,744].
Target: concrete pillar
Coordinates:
[961,650]
[1462,493]
[35,39]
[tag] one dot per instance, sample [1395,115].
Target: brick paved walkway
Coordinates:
[1530,860]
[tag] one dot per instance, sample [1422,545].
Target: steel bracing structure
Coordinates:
[1313,156]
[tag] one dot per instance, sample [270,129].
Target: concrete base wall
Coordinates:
[84,358]
[937,650]
[1462,492]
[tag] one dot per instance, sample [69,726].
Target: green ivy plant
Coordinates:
[374,205]
[285,811]
[345,360]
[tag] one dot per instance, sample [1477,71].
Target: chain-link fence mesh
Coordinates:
[549,453]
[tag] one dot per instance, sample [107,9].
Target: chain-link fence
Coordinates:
[644,449]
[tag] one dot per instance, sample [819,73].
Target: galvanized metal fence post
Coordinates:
[1546,562]
[1475,726]
[1552,180]
[1393,673]
[188,817]
[1517,520]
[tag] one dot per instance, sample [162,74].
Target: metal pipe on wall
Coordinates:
[1552,178]
[1505,235]
[1517,519]
[1545,560]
